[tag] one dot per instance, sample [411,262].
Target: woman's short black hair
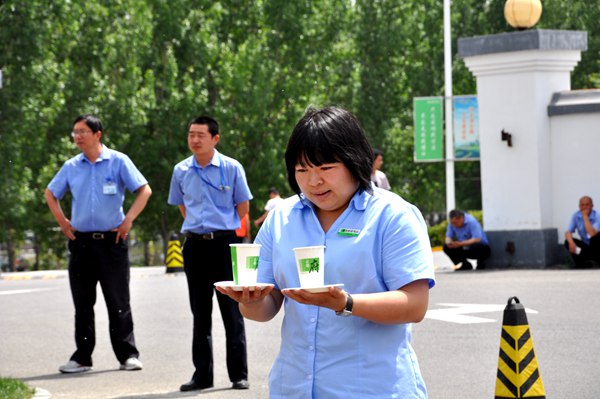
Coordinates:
[329,135]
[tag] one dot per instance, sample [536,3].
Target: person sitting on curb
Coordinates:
[465,239]
[586,250]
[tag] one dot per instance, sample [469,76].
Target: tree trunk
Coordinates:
[10,250]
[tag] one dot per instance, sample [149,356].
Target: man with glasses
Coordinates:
[212,194]
[97,231]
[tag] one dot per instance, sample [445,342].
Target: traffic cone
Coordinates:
[174,257]
[518,374]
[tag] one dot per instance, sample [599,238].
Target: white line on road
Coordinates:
[457,313]
[24,291]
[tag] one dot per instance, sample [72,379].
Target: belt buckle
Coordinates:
[98,236]
[208,236]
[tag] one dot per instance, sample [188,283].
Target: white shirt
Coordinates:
[380,179]
[272,203]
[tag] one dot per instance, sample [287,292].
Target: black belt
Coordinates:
[96,235]
[212,235]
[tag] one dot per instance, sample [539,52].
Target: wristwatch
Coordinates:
[347,311]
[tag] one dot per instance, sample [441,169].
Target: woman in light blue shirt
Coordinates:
[376,245]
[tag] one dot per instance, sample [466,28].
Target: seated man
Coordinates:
[465,239]
[586,250]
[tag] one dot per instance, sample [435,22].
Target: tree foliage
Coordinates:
[146,67]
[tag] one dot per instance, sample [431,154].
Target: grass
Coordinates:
[14,389]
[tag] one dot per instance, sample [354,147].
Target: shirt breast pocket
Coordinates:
[223,199]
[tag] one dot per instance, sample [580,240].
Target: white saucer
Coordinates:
[231,284]
[317,289]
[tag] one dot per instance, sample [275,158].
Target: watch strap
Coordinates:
[347,311]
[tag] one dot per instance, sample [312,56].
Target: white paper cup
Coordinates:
[310,262]
[244,263]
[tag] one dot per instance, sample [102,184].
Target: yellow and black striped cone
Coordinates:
[174,257]
[518,373]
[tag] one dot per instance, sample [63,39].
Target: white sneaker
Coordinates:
[133,363]
[73,367]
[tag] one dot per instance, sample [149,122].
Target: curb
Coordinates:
[145,271]
[41,394]
[36,275]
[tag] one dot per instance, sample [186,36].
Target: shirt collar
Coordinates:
[359,201]
[215,160]
[105,154]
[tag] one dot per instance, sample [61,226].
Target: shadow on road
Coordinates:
[63,376]
[176,394]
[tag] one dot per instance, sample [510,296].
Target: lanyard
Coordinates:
[220,187]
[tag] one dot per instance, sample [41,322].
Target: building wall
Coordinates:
[575,149]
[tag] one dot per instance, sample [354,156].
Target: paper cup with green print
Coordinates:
[244,262]
[310,262]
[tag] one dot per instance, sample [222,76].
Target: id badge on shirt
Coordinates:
[109,188]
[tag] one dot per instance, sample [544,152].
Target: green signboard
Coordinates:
[428,129]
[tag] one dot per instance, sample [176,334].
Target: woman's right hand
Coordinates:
[246,296]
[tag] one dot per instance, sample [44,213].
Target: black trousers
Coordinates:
[588,253]
[103,261]
[477,251]
[206,262]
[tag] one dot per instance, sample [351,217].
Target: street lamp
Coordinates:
[522,14]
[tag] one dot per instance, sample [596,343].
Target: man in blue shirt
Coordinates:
[97,233]
[465,239]
[585,251]
[213,196]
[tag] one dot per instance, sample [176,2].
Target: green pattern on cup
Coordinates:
[309,265]
[252,262]
[234,265]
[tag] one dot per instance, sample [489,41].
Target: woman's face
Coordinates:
[329,186]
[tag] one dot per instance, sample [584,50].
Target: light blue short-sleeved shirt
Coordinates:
[470,229]
[210,194]
[325,356]
[576,223]
[98,189]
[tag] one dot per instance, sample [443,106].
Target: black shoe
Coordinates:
[466,265]
[481,265]
[194,385]
[241,384]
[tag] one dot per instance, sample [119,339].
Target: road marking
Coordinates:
[458,313]
[24,291]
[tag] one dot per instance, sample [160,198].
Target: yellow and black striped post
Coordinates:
[174,257]
[518,373]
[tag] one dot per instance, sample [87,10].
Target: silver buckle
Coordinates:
[98,236]
[208,236]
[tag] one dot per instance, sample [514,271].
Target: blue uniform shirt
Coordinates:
[378,244]
[210,194]
[470,229]
[98,189]
[576,223]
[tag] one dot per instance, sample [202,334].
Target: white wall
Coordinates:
[575,144]
[514,90]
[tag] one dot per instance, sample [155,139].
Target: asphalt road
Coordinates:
[457,344]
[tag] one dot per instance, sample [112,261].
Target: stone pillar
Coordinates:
[517,73]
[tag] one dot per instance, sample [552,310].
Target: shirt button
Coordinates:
[312,320]
[312,348]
